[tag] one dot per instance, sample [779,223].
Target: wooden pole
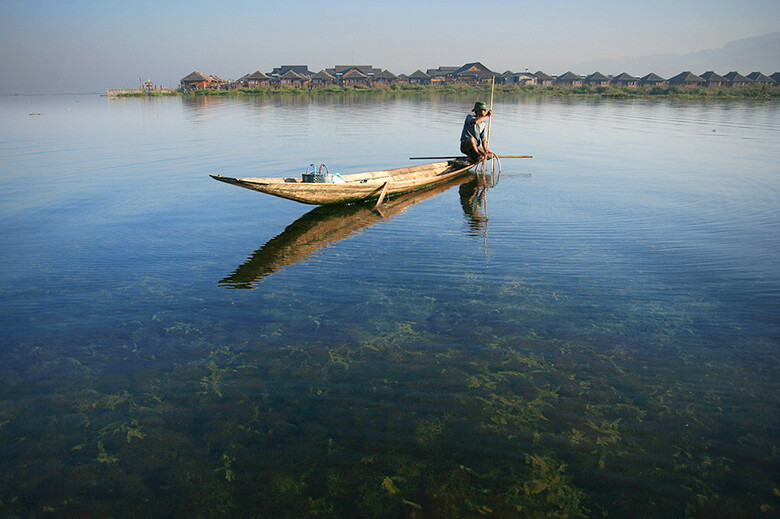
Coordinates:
[490,119]
[382,196]
[464,158]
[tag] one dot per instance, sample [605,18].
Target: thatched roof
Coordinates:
[300,69]
[368,70]
[736,77]
[711,77]
[625,77]
[542,76]
[386,74]
[195,77]
[256,75]
[653,78]
[475,70]
[323,74]
[441,71]
[597,76]
[686,77]
[291,74]
[569,76]
[354,73]
[758,77]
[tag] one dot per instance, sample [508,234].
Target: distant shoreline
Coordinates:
[752,92]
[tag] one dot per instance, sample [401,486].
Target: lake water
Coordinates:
[598,335]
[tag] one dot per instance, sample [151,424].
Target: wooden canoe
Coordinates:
[326,225]
[358,186]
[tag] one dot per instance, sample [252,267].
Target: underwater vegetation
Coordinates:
[489,397]
[440,412]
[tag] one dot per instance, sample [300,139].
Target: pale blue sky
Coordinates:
[88,45]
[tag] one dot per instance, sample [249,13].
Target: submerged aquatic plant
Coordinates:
[105,457]
[546,491]
[399,418]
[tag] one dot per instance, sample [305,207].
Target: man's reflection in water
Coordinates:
[473,202]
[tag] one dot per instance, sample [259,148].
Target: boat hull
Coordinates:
[328,224]
[357,187]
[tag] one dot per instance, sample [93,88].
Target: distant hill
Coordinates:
[761,53]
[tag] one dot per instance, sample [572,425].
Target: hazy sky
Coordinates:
[88,45]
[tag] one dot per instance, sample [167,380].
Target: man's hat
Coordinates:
[479,105]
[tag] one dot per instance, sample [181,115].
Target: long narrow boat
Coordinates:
[358,186]
[326,225]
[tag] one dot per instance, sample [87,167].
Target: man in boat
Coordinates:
[473,138]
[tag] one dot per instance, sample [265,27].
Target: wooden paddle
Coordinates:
[490,120]
[464,158]
[382,195]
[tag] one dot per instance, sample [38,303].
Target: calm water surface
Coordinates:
[595,336]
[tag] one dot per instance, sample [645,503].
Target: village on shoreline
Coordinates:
[345,78]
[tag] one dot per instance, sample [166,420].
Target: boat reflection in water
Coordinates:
[330,224]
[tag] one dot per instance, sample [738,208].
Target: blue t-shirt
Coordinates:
[472,129]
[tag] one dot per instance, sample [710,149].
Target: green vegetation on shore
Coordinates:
[761,92]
